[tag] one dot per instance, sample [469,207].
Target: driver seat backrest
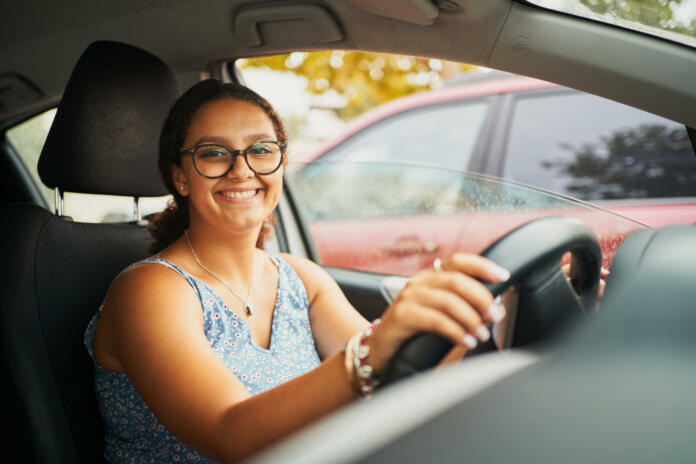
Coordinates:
[55,271]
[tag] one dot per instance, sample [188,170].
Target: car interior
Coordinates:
[113,70]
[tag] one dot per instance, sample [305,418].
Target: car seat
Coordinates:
[55,273]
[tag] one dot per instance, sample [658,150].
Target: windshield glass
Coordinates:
[670,19]
[395,219]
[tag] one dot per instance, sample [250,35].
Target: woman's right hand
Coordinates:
[450,302]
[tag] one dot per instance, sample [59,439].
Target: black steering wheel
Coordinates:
[532,253]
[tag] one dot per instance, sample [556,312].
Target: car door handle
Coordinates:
[409,245]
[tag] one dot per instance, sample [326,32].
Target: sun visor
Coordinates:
[287,24]
[422,12]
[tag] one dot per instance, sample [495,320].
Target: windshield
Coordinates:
[670,19]
[395,219]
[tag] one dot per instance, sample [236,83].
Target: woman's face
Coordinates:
[241,199]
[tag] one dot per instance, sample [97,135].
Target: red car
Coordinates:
[562,141]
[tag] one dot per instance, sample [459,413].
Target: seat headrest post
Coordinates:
[137,216]
[58,199]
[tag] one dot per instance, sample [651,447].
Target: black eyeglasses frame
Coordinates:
[235,153]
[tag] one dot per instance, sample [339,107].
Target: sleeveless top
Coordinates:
[135,435]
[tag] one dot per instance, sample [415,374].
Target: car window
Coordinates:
[442,135]
[28,137]
[669,19]
[595,149]
[396,219]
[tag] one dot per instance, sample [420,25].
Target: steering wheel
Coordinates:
[532,253]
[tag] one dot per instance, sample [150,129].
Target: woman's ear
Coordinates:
[179,179]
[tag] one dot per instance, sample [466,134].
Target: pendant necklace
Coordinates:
[248,308]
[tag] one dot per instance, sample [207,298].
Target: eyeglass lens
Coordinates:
[216,161]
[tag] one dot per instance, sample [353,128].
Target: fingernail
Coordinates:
[501,273]
[482,333]
[469,341]
[496,312]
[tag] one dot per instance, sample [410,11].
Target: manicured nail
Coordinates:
[469,341]
[501,273]
[482,333]
[496,312]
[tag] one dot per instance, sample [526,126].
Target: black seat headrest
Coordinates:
[105,136]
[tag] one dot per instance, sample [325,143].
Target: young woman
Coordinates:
[212,348]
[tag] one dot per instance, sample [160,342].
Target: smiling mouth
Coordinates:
[235,195]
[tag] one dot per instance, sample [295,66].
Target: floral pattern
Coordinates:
[135,435]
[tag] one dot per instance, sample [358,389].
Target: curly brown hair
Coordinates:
[170,224]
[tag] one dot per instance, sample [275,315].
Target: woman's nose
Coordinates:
[240,168]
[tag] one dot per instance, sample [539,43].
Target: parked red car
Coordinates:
[535,133]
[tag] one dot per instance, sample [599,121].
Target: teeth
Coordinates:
[239,195]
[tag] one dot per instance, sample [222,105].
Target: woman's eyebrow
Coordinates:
[249,139]
[211,139]
[256,137]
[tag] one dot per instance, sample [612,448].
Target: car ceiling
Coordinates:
[40,42]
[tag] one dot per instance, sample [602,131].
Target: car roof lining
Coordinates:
[514,37]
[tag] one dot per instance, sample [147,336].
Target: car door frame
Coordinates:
[497,152]
[363,289]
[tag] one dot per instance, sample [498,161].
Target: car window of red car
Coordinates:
[595,149]
[442,135]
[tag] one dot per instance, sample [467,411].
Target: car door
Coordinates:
[447,135]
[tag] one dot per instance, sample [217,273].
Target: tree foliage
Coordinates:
[648,161]
[654,13]
[364,79]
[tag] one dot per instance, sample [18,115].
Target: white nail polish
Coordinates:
[469,341]
[496,312]
[502,273]
[482,333]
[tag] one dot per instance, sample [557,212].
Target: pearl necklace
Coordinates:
[248,308]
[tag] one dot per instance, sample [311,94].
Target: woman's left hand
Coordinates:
[604,273]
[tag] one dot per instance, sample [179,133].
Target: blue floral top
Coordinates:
[133,433]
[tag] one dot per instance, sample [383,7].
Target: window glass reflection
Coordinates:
[594,149]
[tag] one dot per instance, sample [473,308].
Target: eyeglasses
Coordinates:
[213,161]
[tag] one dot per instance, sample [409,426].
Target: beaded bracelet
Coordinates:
[350,369]
[363,379]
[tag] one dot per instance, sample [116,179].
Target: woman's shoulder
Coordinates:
[314,277]
[150,274]
[145,301]
[152,284]
[302,266]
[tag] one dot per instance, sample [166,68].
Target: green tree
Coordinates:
[649,161]
[654,13]
[365,79]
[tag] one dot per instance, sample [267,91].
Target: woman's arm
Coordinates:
[152,328]
[334,320]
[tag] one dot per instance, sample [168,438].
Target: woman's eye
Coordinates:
[211,155]
[259,150]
